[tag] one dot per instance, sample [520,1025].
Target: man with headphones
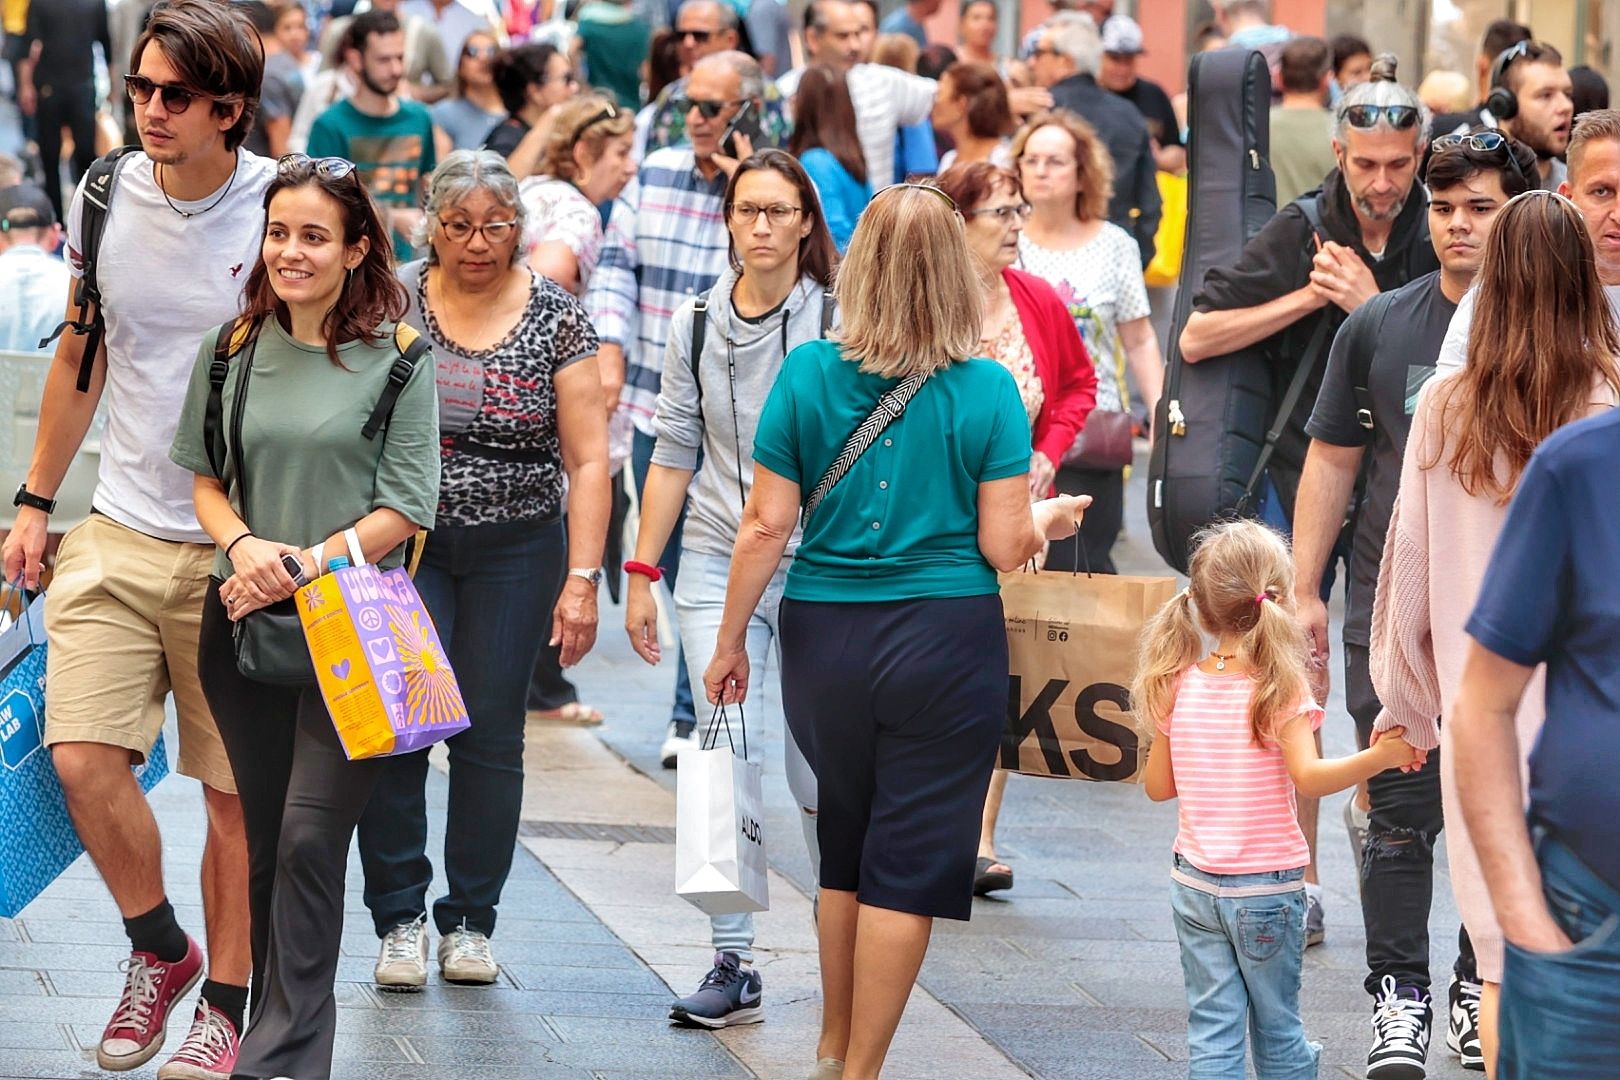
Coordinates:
[1532,99]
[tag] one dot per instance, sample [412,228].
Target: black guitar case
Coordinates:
[1212,418]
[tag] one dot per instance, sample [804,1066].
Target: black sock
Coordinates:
[158,933]
[230,1000]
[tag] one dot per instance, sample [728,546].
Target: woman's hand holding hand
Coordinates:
[573,621]
[641,619]
[241,598]
[1058,518]
[725,682]
[258,567]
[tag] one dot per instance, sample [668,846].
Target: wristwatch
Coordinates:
[594,575]
[25,497]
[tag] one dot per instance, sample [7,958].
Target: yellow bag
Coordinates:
[1171,239]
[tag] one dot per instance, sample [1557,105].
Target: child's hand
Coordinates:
[1395,752]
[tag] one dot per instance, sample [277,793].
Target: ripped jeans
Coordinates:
[1242,949]
[1397,872]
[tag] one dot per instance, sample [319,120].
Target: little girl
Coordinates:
[1236,739]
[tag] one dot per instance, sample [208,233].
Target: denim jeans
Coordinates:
[700,600]
[1560,1017]
[490,590]
[641,449]
[1242,948]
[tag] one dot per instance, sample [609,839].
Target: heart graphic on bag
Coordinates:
[341,670]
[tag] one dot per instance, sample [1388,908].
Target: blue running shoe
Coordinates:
[729,994]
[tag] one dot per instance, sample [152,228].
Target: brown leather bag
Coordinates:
[1104,443]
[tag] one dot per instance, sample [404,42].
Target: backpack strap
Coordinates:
[700,329]
[232,336]
[411,346]
[1361,357]
[99,181]
[829,308]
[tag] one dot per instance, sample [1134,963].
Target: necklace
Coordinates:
[188,214]
[1221,659]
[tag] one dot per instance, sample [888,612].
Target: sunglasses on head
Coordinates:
[609,112]
[1485,142]
[1399,117]
[176,98]
[707,109]
[332,168]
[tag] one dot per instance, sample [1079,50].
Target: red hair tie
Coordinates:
[1262,598]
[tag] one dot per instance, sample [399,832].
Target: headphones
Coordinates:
[1501,102]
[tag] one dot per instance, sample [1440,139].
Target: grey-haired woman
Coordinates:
[520,408]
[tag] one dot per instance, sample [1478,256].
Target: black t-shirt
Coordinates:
[1392,341]
[1154,105]
[65,30]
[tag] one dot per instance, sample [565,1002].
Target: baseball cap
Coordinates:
[1121,36]
[25,206]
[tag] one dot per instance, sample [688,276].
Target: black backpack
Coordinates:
[700,327]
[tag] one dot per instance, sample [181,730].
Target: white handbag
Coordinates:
[720,864]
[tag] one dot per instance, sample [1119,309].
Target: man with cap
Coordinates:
[30,278]
[1122,45]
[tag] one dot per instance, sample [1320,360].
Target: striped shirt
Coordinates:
[1237,813]
[666,242]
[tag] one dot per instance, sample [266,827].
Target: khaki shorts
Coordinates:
[123,619]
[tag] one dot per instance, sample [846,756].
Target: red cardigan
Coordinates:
[1067,376]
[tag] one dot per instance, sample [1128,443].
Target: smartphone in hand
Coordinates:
[746,123]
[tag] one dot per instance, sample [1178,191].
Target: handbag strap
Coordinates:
[890,405]
[711,734]
[357,554]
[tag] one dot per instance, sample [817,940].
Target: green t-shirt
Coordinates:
[393,153]
[615,46]
[903,524]
[311,473]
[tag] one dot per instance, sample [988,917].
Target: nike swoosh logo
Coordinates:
[746,998]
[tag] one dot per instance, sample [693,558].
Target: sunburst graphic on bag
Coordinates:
[432,697]
[314,598]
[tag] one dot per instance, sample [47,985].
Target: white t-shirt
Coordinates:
[1454,350]
[165,282]
[559,211]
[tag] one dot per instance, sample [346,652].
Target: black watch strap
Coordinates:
[28,498]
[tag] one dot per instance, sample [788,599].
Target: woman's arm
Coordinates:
[256,561]
[1071,399]
[1159,781]
[1315,777]
[555,260]
[582,429]
[768,520]
[662,498]
[1011,531]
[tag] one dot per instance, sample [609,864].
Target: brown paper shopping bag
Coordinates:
[1072,643]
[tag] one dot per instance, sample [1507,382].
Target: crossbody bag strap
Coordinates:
[889,408]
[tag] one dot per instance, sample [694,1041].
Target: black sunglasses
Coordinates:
[707,109]
[609,112]
[332,168]
[176,98]
[1485,142]
[699,36]
[1399,117]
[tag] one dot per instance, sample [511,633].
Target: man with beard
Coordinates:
[1538,106]
[390,140]
[1374,237]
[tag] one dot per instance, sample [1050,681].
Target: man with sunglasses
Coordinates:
[183,227]
[707,28]
[1380,358]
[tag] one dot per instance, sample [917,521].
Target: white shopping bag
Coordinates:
[720,864]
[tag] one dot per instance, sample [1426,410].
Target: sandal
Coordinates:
[988,879]
[573,713]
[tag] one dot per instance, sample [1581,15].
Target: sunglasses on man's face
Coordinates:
[1399,117]
[699,36]
[176,98]
[706,109]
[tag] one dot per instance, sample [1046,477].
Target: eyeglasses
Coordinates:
[333,168]
[482,52]
[1485,142]
[1004,214]
[1037,164]
[778,214]
[609,112]
[707,109]
[699,36]
[176,98]
[494,232]
[1399,117]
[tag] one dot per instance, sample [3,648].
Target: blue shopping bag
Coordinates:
[37,839]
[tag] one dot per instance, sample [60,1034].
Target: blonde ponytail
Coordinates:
[1274,650]
[1170,644]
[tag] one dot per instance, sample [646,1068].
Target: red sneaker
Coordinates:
[209,1052]
[134,1035]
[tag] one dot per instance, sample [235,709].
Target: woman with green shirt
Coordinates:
[893,655]
[321,307]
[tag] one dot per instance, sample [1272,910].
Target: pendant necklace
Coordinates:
[1221,659]
[188,214]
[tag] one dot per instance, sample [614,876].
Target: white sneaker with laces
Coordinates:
[402,959]
[465,957]
[1401,1019]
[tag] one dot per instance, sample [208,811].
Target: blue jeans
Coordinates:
[1560,1017]
[1242,947]
[700,600]
[641,449]
[490,590]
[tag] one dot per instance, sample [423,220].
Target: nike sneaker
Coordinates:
[1401,1019]
[729,994]
[1462,1032]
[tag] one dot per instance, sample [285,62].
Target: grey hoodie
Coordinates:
[714,509]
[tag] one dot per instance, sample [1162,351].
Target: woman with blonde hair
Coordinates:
[1543,351]
[907,462]
[584,162]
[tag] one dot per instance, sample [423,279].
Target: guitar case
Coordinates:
[1212,418]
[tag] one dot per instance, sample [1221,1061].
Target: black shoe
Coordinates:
[681,736]
[730,994]
[1462,1028]
[1401,1019]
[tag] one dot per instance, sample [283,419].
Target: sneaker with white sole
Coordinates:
[729,994]
[1315,921]
[682,735]
[209,1050]
[402,959]
[465,957]
[1462,1028]
[1401,1019]
[152,988]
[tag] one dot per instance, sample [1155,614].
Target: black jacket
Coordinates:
[1136,205]
[1278,261]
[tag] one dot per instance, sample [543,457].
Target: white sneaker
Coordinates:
[465,957]
[402,960]
[682,735]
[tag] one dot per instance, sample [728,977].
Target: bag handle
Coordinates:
[357,554]
[890,405]
[17,591]
[711,734]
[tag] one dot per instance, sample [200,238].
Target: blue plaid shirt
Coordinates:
[666,242]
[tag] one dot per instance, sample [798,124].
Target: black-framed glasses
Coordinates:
[609,111]
[176,98]
[1004,214]
[1485,142]
[495,232]
[1399,117]
[700,36]
[707,109]
[778,214]
[332,168]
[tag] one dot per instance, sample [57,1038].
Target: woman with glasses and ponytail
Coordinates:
[286,479]
[520,415]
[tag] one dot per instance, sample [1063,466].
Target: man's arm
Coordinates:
[611,299]
[1216,333]
[1324,493]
